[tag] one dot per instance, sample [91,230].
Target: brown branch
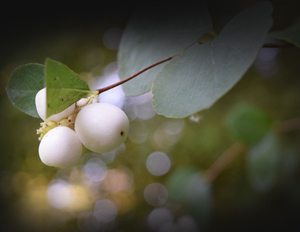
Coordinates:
[101,90]
[134,75]
[225,158]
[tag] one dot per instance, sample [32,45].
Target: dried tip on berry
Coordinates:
[72,117]
[64,122]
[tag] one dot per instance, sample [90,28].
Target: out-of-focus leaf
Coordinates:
[152,36]
[263,163]
[64,87]
[247,123]
[290,34]
[196,79]
[23,85]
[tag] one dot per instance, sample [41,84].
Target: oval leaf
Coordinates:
[150,37]
[23,85]
[290,34]
[64,87]
[263,163]
[202,74]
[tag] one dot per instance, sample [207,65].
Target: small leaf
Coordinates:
[263,163]
[150,37]
[247,123]
[200,76]
[23,85]
[290,34]
[64,87]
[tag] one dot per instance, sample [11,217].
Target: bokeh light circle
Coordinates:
[158,163]
[59,194]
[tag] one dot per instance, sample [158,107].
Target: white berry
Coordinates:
[101,127]
[40,103]
[60,147]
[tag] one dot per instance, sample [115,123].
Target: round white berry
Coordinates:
[60,147]
[101,127]
[40,103]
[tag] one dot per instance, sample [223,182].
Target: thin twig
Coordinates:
[225,158]
[134,75]
[101,90]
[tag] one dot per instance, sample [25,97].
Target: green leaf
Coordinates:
[290,34]
[23,85]
[64,87]
[200,76]
[263,161]
[150,37]
[247,123]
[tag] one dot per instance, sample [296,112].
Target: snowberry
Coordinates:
[101,127]
[60,147]
[40,103]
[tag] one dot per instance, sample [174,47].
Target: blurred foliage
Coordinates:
[263,161]
[247,123]
[28,197]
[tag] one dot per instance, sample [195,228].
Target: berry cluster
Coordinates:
[100,127]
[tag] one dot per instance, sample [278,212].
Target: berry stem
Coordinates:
[134,75]
[101,90]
